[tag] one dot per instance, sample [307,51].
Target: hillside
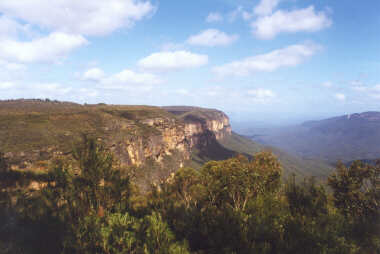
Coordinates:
[346,138]
[291,163]
[156,140]
[230,145]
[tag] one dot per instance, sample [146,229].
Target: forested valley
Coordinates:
[88,203]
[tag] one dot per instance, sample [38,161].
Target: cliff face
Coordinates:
[35,131]
[203,129]
[190,129]
[168,137]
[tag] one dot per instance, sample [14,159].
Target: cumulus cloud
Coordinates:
[301,20]
[211,38]
[340,96]
[214,17]
[285,57]
[46,49]
[124,80]
[261,95]
[172,61]
[95,17]
[93,74]
[131,77]
[266,7]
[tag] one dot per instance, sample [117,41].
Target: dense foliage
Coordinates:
[88,204]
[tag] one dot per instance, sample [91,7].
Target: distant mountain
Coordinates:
[346,138]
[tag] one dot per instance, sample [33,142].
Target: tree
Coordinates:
[87,187]
[357,196]
[233,182]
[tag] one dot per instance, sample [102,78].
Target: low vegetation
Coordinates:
[87,204]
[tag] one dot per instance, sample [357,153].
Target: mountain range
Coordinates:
[345,138]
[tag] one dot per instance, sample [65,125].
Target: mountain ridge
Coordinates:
[346,138]
[147,137]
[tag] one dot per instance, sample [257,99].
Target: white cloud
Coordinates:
[6,85]
[128,79]
[302,20]
[172,60]
[93,74]
[265,7]
[340,96]
[261,95]
[327,84]
[214,17]
[46,49]
[95,17]
[211,38]
[285,57]
[9,66]
[128,76]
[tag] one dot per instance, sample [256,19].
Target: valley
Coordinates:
[345,138]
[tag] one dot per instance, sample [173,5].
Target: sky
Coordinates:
[271,61]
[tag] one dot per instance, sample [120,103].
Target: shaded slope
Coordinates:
[290,163]
[346,138]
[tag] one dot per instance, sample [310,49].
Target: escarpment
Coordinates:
[202,126]
[32,132]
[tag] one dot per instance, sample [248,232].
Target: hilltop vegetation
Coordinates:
[88,205]
[57,124]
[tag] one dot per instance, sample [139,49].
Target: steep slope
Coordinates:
[346,138]
[156,141]
[291,163]
[228,144]
[34,131]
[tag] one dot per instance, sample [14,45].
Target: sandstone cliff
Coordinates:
[34,131]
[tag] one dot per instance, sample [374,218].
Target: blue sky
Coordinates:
[263,60]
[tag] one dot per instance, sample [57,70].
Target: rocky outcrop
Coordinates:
[193,128]
[169,137]
[41,130]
